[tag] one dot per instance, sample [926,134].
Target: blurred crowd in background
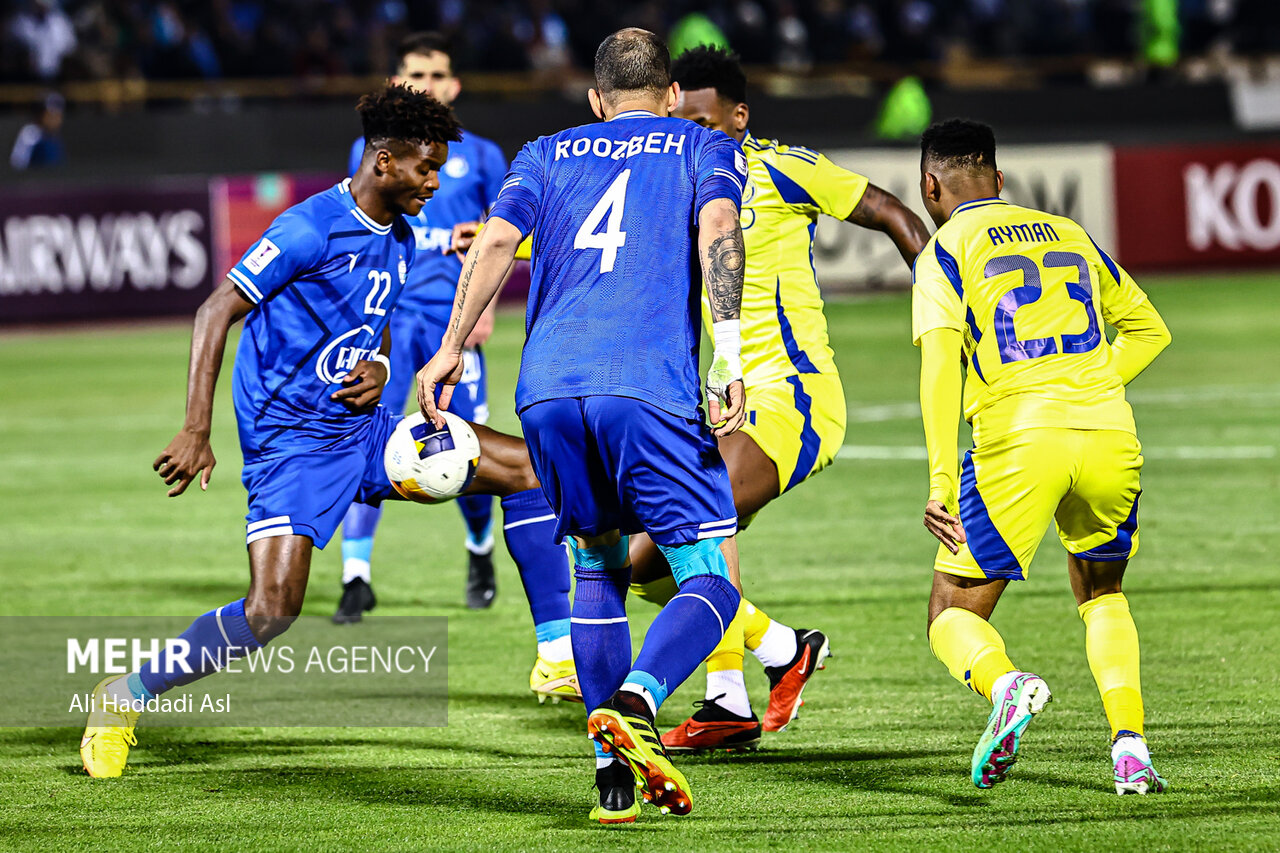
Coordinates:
[51,41]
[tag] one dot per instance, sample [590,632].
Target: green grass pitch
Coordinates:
[878,758]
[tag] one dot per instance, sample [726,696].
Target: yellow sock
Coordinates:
[970,647]
[728,652]
[657,592]
[1111,642]
[754,623]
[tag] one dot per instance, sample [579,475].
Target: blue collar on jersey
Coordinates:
[978,202]
[635,114]
[344,190]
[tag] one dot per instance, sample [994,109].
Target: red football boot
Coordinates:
[786,683]
[713,727]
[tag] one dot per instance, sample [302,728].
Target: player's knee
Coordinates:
[605,554]
[696,559]
[271,611]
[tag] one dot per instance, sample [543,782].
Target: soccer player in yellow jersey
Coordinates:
[796,405]
[1021,297]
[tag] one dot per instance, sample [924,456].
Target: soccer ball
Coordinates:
[428,464]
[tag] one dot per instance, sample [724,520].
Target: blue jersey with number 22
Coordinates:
[614,302]
[324,279]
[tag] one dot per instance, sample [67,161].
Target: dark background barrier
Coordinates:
[300,137]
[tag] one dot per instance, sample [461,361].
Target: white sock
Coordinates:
[604,761]
[730,683]
[120,689]
[1001,684]
[557,650]
[354,567]
[643,692]
[1132,744]
[485,547]
[778,645]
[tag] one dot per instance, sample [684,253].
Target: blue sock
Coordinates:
[477,512]
[529,525]
[209,639]
[601,636]
[360,522]
[689,626]
[358,527]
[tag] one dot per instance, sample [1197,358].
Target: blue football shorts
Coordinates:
[307,493]
[616,463]
[415,337]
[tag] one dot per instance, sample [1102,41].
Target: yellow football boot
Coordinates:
[557,680]
[108,734]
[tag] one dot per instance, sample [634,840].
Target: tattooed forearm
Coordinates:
[460,301]
[723,267]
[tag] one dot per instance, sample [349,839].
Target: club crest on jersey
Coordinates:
[339,356]
[456,167]
[403,269]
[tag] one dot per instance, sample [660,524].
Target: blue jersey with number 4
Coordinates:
[614,301]
[324,279]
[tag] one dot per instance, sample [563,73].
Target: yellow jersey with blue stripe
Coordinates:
[784,332]
[1029,291]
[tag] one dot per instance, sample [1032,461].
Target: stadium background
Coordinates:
[184,127]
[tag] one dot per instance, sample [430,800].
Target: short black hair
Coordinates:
[423,43]
[400,114]
[632,60]
[706,67]
[959,143]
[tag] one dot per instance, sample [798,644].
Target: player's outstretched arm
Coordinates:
[882,211]
[940,390]
[190,454]
[723,255]
[483,272]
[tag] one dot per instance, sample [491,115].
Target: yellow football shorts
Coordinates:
[1012,487]
[799,423]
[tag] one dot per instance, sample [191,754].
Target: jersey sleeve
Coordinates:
[289,248]
[355,156]
[1117,290]
[521,192]
[819,183]
[720,171]
[936,288]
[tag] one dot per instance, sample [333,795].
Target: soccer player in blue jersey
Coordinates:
[469,185]
[316,293]
[623,214]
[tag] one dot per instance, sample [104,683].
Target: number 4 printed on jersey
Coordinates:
[612,238]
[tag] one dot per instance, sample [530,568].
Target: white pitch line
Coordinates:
[916,453]
[1188,396]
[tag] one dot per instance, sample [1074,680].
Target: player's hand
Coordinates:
[363,386]
[480,334]
[443,370]
[726,395]
[188,455]
[464,234]
[944,526]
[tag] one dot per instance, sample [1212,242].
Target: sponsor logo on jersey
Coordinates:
[340,355]
[432,239]
[403,269]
